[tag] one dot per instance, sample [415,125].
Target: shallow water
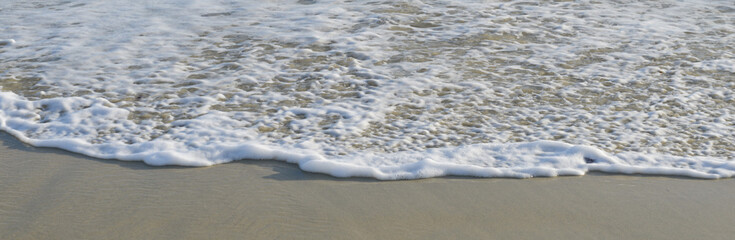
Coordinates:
[394,89]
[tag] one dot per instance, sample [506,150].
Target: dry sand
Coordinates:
[53,194]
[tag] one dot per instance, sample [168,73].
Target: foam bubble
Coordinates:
[390,90]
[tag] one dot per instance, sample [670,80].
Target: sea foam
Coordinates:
[389,90]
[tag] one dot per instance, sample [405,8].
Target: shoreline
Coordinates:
[50,193]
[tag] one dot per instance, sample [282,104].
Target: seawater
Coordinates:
[382,89]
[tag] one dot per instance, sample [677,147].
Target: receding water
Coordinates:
[376,85]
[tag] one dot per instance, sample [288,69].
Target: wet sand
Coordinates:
[53,194]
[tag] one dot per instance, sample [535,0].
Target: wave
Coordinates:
[515,160]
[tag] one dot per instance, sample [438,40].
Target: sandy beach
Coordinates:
[53,194]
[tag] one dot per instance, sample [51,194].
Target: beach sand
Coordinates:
[53,194]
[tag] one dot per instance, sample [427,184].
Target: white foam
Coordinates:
[391,90]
